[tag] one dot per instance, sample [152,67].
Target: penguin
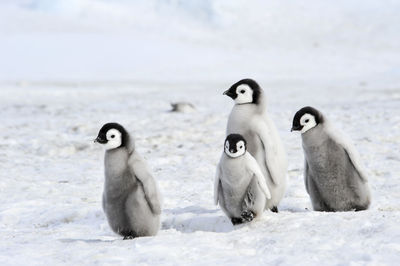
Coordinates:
[131,200]
[239,187]
[250,119]
[334,176]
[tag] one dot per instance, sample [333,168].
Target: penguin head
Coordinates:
[235,145]
[306,118]
[244,91]
[112,136]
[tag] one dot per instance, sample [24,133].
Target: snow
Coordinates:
[68,67]
[52,179]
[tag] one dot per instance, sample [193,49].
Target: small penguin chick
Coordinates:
[306,118]
[131,200]
[235,145]
[334,176]
[244,91]
[240,187]
[112,136]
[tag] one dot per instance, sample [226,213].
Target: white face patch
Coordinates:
[244,94]
[308,122]
[114,139]
[240,149]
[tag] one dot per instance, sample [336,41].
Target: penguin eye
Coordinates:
[112,136]
[307,120]
[242,91]
[241,146]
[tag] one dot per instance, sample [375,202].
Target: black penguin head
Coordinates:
[244,91]
[306,118]
[235,145]
[112,135]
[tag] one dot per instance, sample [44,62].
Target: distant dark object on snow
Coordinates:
[182,107]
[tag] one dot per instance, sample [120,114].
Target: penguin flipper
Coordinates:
[255,169]
[271,151]
[216,184]
[306,176]
[349,148]
[139,168]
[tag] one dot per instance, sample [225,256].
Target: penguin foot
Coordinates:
[274,209]
[127,234]
[247,216]
[128,237]
[236,221]
[360,208]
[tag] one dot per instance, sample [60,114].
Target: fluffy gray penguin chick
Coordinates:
[131,200]
[250,119]
[334,176]
[240,187]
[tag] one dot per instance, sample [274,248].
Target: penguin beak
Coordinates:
[296,128]
[229,93]
[100,140]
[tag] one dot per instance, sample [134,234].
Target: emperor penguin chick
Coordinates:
[240,187]
[334,176]
[131,200]
[250,119]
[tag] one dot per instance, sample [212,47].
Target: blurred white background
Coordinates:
[356,41]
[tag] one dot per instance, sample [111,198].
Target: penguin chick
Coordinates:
[239,187]
[131,200]
[334,176]
[250,119]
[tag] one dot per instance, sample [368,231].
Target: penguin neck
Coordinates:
[119,156]
[313,137]
[259,107]
[234,169]
[128,147]
[115,163]
[234,158]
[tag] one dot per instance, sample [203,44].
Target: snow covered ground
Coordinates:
[52,176]
[68,67]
